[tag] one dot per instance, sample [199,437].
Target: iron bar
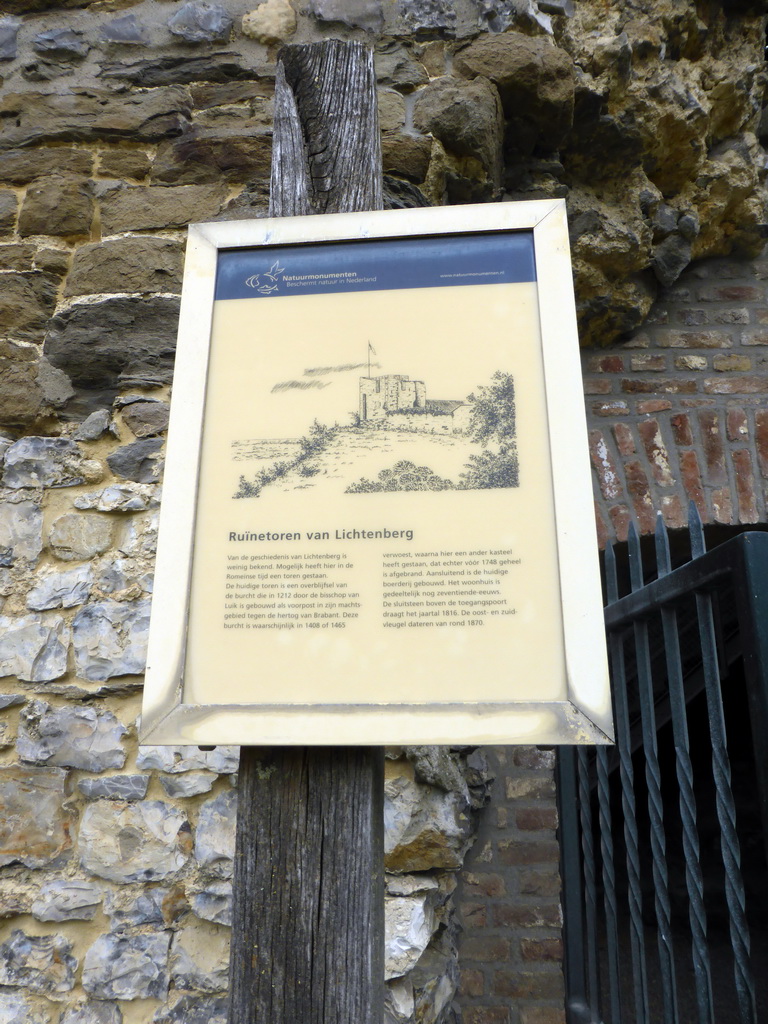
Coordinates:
[609,881]
[590,876]
[693,875]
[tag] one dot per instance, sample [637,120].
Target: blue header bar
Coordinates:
[432,262]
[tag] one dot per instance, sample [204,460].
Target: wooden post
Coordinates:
[307,927]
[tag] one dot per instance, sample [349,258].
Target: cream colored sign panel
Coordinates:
[375,522]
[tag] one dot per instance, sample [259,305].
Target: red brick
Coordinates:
[533,757]
[621,517]
[531,786]
[641,340]
[745,486]
[737,426]
[731,362]
[516,915]
[675,516]
[656,450]
[691,362]
[714,450]
[761,440]
[524,985]
[693,339]
[539,883]
[754,337]
[722,506]
[605,364]
[624,439]
[471,983]
[595,386]
[474,915]
[610,409]
[542,1015]
[731,293]
[663,385]
[513,852]
[681,429]
[637,485]
[534,819]
[502,817]
[483,884]
[739,315]
[487,1015]
[484,949]
[735,385]
[542,949]
[602,534]
[610,485]
[653,405]
[648,362]
[692,317]
[689,467]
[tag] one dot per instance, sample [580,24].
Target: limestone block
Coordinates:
[132,264]
[34,829]
[200,957]
[201,22]
[438,766]
[27,301]
[466,117]
[94,426]
[110,639]
[119,966]
[222,760]
[194,1010]
[115,787]
[41,964]
[139,344]
[214,902]
[46,462]
[92,1012]
[364,14]
[130,497]
[141,842]
[67,900]
[16,1008]
[272,22]
[191,784]
[9,30]
[395,66]
[204,158]
[34,647]
[61,589]
[215,834]
[21,529]
[9,207]
[76,537]
[20,166]
[147,419]
[424,828]
[57,205]
[70,737]
[139,207]
[409,924]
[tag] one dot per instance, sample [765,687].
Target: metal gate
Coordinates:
[663,837]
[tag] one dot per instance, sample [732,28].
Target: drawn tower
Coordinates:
[392,392]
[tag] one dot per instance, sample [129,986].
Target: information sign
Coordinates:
[377,521]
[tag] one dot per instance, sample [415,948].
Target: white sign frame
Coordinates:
[585,716]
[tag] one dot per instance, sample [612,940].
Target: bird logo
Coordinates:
[266,283]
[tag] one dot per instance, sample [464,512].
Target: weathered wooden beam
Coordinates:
[307,928]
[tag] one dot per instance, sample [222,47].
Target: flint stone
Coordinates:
[33,828]
[215,835]
[61,589]
[43,964]
[436,766]
[140,461]
[423,828]
[93,427]
[57,205]
[670,258]
[63,42]
[115,787]
[364,14]
[191,784]
[146,419]
[200,958]
[9,30]
[398,1002]
[114,576]
[18,1009]
[428,17]
[92,115]
[140,537]
[34,648]
[125,910]
[9,206]
[140,340]
[395,66]
[11,700]
[65,900]
[214,903]
[222,760]
[127,967]
[409,924]
[536,82]
[141,842]
[20,166]
[45,462]
[125,30]
[118,498]
[126,265]
[193,1010]
[76,537]
[96,1012]
[110,639]
[183,69]
[466,117]
[409,885]
[21,530]
[70,737]
[199,22]
[272,22]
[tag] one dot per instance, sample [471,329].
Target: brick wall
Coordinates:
[680,411]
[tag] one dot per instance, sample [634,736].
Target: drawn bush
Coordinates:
[318,439]
[403,476]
